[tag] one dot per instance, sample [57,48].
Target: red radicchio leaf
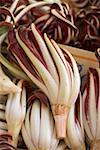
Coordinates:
[36,12]
[7,2]
[5,142]
[88,22]
[5,11]
[23,58]
[81,3]
[87,96]
[37,95]
[4,23]
[22,2]
[23,33]
[59,25]
[15,48]
[87,88]
[77,108]
[96,82]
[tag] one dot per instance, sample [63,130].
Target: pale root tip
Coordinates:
[60,123]
[95,145]
[60,113]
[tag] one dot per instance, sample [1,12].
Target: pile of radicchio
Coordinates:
[88,23]
[65,25]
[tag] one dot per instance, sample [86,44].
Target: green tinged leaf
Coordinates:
[3,30]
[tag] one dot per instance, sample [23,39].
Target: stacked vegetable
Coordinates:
[86,3]
[88,22]
[42,85]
